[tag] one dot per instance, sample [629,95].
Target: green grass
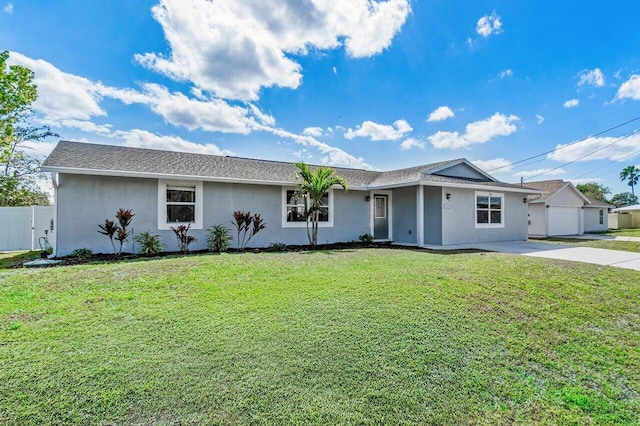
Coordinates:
[632,246]
[14,258]
[372,336]
[635,232]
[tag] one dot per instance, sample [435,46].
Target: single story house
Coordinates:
[563,210]
[626,217]
[449,202]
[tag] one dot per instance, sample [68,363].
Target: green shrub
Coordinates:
[219,238]
[366,238]
[82,253]
[150,244]
[277,246]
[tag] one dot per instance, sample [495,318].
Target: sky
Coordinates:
[352,83]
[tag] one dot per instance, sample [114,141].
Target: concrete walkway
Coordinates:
[600,237]
[616,258]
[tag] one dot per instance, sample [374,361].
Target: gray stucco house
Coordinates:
[450,202]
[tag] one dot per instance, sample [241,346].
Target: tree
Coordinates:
[631,175]
[313,188]
[594,190]
[624,199]
[18,172]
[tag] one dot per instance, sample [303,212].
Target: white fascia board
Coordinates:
[150,175]
[490,188]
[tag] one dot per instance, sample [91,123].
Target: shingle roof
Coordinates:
[598,203]
[109,159]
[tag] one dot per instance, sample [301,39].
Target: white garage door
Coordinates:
[564,221]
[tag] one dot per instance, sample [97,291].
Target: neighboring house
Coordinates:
[450,202]
[626,217]
[563,210]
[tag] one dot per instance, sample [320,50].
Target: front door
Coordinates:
[381,217]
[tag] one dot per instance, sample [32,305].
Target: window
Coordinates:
[489,210]
[179,203]
[293,209]
[381,207]
[601,217]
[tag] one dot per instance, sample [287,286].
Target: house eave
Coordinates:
[151,175]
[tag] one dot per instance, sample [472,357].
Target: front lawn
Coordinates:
[631,232]
[371,336]
[632,246]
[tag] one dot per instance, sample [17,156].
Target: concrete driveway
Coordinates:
[619,259]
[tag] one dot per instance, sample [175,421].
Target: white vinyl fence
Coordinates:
[22,227]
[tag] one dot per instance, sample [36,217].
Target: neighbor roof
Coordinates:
[555,185]
[635,207]
[89,158]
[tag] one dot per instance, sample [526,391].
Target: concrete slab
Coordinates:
[616,258]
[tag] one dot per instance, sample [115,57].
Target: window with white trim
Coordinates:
[179,203]
[294,209]
[489,210]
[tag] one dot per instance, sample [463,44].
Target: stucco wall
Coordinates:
[458,221]
[432,215]
[405,215]
[84,201]
[592,219]
[566,197]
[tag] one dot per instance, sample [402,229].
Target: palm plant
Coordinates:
[313,187]
[631,174]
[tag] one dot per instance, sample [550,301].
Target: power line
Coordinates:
[635,132]
[634,153]
[565,146]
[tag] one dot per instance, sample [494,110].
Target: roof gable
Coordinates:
[462,169]
[555,189]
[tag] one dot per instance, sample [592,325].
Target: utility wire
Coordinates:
[608,164]
[635,132]
[565,146]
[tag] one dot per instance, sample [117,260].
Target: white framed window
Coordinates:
[601,217]
[489,210]
[179,203]
[293,209]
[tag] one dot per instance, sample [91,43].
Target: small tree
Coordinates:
[246,226]
[594,190]
[117,231]
[631,174]
[313,186]
[624,199]
[183,237]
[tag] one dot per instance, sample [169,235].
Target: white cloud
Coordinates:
[332,156]
[335,70]
[489,24]
[38,150]
[313,131]
[584,180]
[541,172]
[630,89]
[411,143]
[440,113]
[380,132]
[137,138]
[8,9]
[606,148]
[469,42]
[571,103]
[477,132]
[506,73]
[85,126]
[234,49]
[61,95]
[539,118]
[490,165]
[592,77]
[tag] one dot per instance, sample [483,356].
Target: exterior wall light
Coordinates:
[448,195]
[367,198]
